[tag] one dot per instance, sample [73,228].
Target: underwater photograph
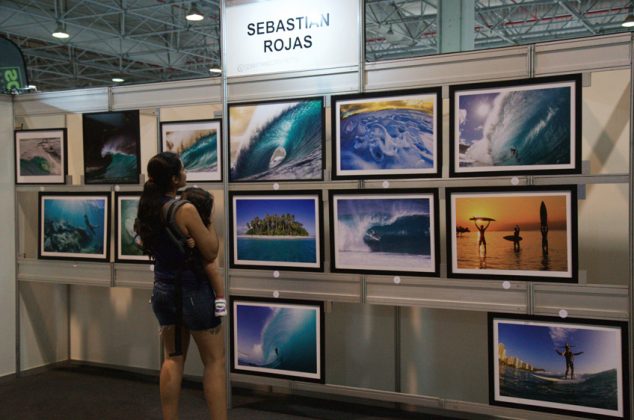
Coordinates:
[559,364]
[198,143]
[127,206]
[40,156]
[112,147]
[74,226]
[393,135]
[384,233]
[525,232]
[277,140]
[523,127]
[277,339]
[281,231]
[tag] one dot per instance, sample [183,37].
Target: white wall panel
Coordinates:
[83,100]
[182,92]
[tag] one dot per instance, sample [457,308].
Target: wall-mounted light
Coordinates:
[60,31]
[194,14]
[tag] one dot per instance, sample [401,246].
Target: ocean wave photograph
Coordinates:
[384,232]
[395,135]
[111,147]
[276,141]
[515,128]
[127,247]
[198,143]
[40,156]
[277,339]
[73,226]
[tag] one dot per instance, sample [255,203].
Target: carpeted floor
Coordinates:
[88,393]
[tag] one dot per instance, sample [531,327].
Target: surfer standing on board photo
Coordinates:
[570,360]
[482,228]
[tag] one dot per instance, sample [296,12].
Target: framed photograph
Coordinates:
[40,156]
[516,127]
[279,140]
[112,147]
[387,134]
[74,226]
[575,367]
[126,247]
[199,145]
[280,231]
[520,233]
[278,338]
[379,232]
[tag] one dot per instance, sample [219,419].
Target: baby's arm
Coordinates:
[217,282]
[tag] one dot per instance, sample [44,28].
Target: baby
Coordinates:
[204,203]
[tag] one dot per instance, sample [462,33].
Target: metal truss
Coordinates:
[151,41]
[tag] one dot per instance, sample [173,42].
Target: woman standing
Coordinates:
[165,176]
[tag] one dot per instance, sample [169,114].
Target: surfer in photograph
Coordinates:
[516,238]
[90,226]
[482,243]
[543,217]
[570,360]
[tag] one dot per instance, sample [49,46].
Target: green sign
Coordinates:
[13,74]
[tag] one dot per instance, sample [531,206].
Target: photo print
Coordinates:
[279,230]
[74,226]
[516,127]
[280,338]
[127,248]
[112,147]
[521,233]
[565,366]
[380,232]
[199,145]
[277,140]
[40,156]
[381,135]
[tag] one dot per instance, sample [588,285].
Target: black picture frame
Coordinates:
[312,370]
[123,228]
[112,144]
[260,252]
[376,235]
[41,150]
[249,120]
[410,104]
[67,221]
[543,254]
[527,358]
[200,126]
[509,118]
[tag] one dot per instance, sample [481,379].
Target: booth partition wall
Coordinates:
[431,331]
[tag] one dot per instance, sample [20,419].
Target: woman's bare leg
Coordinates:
[211,345]
[172,372]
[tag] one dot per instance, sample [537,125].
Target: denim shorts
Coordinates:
[198,301]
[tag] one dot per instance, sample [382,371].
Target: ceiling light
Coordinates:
[118,79]
[194,14]
[60,32]
[390,31]
[215,70]
[628,22]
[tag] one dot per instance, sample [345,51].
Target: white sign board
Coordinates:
[275,36]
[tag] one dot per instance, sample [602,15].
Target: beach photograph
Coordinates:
[386,135]
[198,143]
[559,364]
[112,147]
[74,226]
[40,156]
[128,249]
[281,231]
[516,233]
[277,339]
[277,140]
[383,233]
[515,127]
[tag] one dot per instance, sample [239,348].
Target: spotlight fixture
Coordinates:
[60,31]
[118,79]
[215,71]
[194,14]
[628,22]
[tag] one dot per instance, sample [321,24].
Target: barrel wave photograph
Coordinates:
[387,233]
[198,143]
[74,226]
[276,230]
[387,136]
[40,156]
[559,365]
[127,245]
[529,125]
[277,140]
[281,338]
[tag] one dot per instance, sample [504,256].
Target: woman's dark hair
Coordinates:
[160,170]
[202,200]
